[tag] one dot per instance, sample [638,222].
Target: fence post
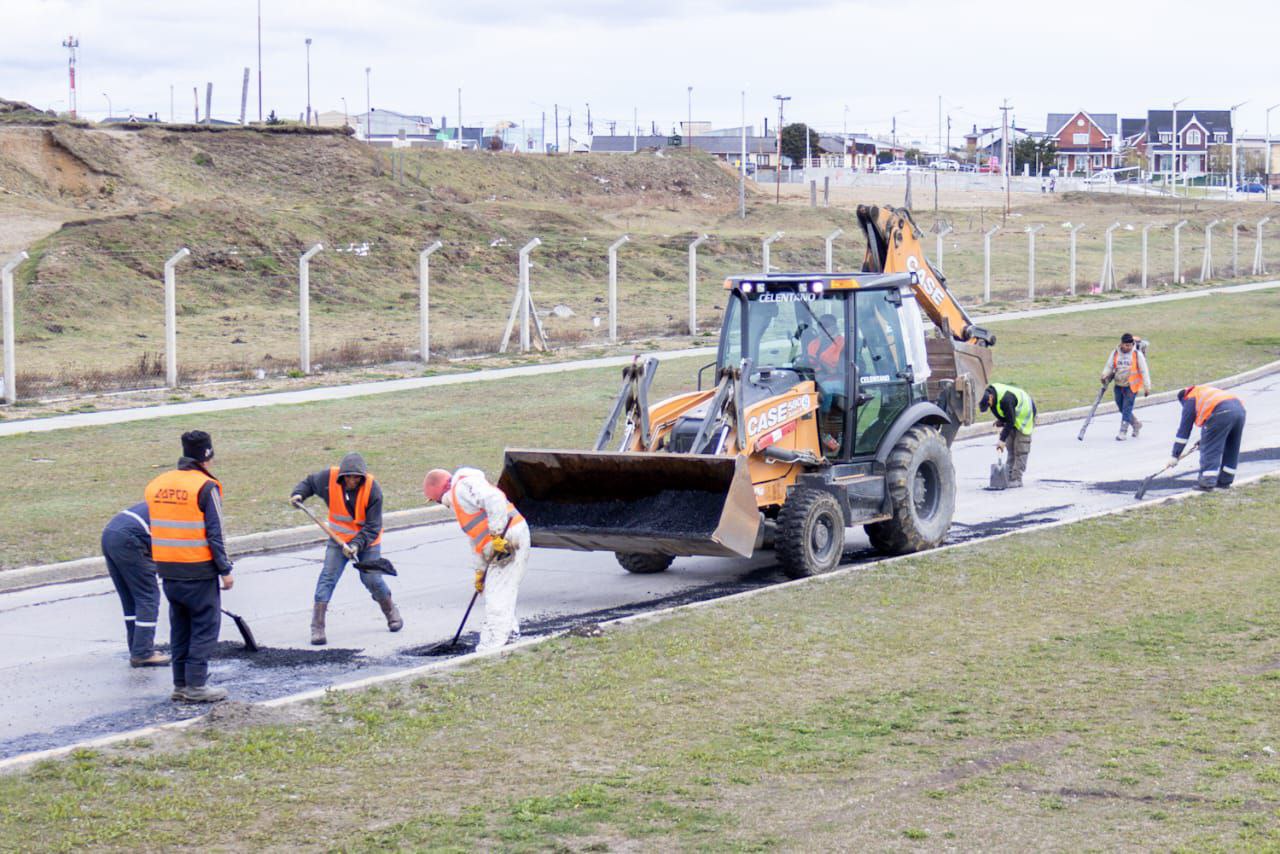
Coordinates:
[986,263]
[1259,265]
[1206,266]
[831,238]
[424,301]
[171,318]
[826,191]
[304,307]
[521,305]
[1146,228]
[1072,256]
[946,229]
[10,347]
[764,249]
[1177,252]
[693,282]
[613,287]
[813,194]
[1235,250]
[1032,230]
[1108,279]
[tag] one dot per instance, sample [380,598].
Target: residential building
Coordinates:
[761,150]
[989,142]
[1203,142]
[388,125]
[1087,142]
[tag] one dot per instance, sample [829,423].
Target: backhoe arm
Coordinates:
[893,246]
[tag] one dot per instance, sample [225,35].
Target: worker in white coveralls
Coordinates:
[499,543]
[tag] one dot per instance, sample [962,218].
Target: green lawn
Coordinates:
[1105,685]
[262,453]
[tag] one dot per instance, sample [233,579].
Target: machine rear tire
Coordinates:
[921,481]
[643,564]
[810,537]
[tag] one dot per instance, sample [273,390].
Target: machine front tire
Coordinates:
[643,564]
[810,538]
[921,481]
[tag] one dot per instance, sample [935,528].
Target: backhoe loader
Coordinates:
[831,408]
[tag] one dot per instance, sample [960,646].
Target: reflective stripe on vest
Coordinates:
[1137,381]
[1207,399]
[177,523]
[343,525]
[476,525]
[1024,416]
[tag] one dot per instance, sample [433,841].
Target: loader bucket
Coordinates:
[651,503]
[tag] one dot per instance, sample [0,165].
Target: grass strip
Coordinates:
[63,486]
[1108,684]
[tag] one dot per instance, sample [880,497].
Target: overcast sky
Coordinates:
[514,60]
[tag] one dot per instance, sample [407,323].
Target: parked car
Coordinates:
[897,167]
[968,167]
[946,164]
[1251,187]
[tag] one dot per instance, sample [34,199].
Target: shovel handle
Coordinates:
[320,524]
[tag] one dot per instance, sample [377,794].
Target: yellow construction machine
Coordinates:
[831,407]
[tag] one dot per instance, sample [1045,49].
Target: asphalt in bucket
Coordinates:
[672,512]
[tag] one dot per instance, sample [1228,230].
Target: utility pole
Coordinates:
[542,140]
[308,81]
[635,131]
[688,125]
[368,103]
[259,60]
[742,167]
[777,167]
[244,94]
[1173,167]
[1004,144]
[1267,159]
[459,116]
[941,154]
[71,43]
[590,127]
[557,110]
[1234,179]
[170,103]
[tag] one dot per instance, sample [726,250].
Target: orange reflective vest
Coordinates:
[828,358]
[177,523]
[1207,399]
[341,522]
[1137,380]
[476,525]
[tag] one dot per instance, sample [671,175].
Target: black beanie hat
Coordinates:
[988,394]
[197,445]
[1126,338]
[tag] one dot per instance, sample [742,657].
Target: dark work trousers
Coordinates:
[195,615]
[128,555]
[1018,449]
[1124,402]
[1220,444]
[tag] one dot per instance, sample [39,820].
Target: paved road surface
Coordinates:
[64,673]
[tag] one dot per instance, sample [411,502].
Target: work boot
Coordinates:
[1015,484]
[1137,425]
[1206,484]
[317,623]
[1124,430]
[392,613]
[155,659]
[179,694]
[204,694]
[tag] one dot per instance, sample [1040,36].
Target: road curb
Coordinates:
[269,541]
[86,568]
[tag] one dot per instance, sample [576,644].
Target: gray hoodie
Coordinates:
[317,484]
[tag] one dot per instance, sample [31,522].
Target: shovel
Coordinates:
[245,633]
[1093,410]
[1142,490]
[999,476]
[377,564]
[442,648]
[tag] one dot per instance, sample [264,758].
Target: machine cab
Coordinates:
[858,338]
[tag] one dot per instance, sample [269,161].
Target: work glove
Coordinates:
[1173,461]
[480,574]
[350,551]
[295,500]
[1105,380]
[1146,392]
[500,547]
[999,447]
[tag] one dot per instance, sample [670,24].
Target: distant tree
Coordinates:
[272,118]
[913,155]
[1042,153]
[495,143]
[793,142]
[1220,158]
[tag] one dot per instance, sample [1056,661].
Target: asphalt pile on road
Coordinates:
[672,512]
[270,657]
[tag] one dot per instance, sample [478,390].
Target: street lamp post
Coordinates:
[1267,154]
[688,125]
[777,167]
[345,113]
[1234,177]
[1173,167]
[308,82]
[368,103]
[110,111]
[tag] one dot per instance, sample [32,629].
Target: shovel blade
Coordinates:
[246,634]
[377,564]
[999,477]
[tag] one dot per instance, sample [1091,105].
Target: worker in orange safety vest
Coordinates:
[1220,416]
[1127,365]
[499,541]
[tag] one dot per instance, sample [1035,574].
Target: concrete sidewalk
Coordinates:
[342,392]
